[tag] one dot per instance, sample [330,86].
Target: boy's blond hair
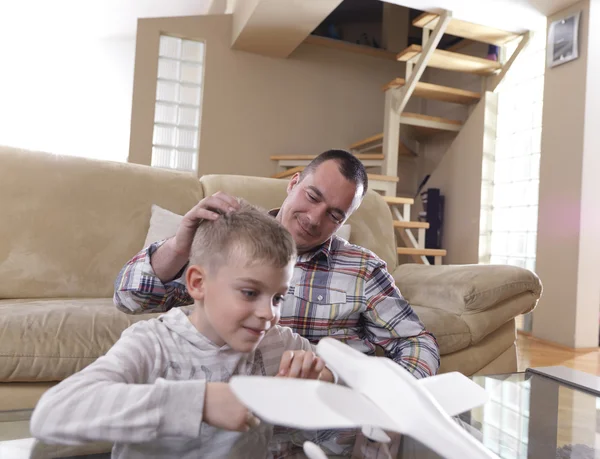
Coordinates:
[249,233]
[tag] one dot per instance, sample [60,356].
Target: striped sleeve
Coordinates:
[111,400]
[139,290]
[390,322]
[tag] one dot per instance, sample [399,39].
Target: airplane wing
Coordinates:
[455,392]
[308,404]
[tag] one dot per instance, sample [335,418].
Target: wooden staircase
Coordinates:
[383,149]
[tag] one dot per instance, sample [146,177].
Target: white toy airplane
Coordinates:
[381,396]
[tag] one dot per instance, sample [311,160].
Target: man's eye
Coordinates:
[250,293]
[335,218]
[311,198]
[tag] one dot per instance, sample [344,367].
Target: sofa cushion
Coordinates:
[450,330]
[70,224]
[470,360]
[465,288]
[455,332]
[48,340]
[163,224]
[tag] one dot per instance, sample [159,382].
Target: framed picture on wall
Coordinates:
[563,43]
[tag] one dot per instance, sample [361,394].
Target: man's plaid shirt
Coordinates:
[339,290]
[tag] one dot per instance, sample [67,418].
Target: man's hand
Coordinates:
[305,365]
[207,209]
[222,409]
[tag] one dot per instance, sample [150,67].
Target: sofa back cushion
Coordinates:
[371,223]
[69,224]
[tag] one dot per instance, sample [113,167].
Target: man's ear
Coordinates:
[195,278]
[293,182]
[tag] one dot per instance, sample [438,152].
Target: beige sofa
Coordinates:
[69,224]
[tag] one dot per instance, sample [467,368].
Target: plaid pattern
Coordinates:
[338,290]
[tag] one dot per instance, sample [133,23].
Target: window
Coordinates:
[178,112]
[510,176]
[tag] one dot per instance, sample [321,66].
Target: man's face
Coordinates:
[239,302]
[318,205]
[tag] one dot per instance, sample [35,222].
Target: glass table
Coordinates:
[528,416]
[16,442]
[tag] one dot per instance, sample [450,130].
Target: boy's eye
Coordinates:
[278,299]
[251,294]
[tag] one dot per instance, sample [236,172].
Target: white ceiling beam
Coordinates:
[275,28]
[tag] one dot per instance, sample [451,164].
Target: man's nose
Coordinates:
[315,215]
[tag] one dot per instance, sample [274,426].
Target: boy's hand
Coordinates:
[222,409]
[303,364]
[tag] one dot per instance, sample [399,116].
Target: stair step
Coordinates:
[288,172]
[372,177]
[410,224]
[468,30]
[382,178]
[422,252]
[398,200]
[426,125]
[376,141]
[361,156]
[457,62]
[437,92]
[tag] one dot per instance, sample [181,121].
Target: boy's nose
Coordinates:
[266,311]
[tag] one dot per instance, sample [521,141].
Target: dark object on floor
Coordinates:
[577,451]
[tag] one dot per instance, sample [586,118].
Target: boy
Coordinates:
[161,390]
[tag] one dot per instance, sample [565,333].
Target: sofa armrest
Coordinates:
[465,288]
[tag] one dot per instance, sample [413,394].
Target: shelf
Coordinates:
[467,30]
[456,62]
[437,92]
[349,47]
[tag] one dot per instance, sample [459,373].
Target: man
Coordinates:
[338,289]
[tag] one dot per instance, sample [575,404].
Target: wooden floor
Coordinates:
[536,353]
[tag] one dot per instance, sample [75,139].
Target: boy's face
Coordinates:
[237,303]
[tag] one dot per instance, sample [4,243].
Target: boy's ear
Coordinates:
[195,278]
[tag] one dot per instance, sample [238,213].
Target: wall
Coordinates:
[256,106]
[67,96]
[454,161]
[568,222]
[458,175]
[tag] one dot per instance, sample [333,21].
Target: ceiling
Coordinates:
[513,15]
[91,18]
[118,18]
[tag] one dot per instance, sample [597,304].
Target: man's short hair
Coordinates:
[349,165]
[249,233]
